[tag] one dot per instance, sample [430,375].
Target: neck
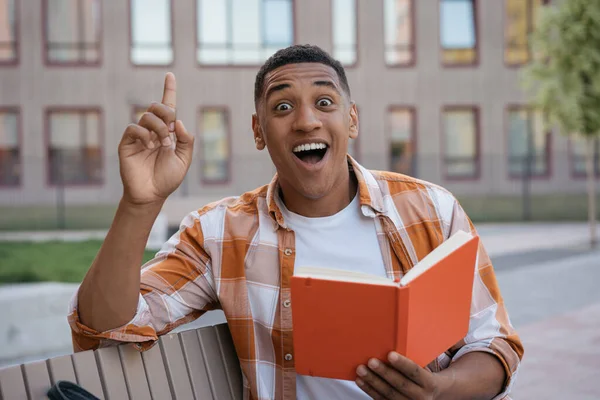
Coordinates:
[333,202]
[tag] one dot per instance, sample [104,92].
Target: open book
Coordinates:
[342,319]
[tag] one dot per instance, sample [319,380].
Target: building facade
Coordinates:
[436,83]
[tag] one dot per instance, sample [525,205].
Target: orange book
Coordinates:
[341,319]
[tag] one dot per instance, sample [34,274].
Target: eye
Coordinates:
[324,102]
[283,107]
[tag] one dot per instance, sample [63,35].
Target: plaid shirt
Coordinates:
[238,255]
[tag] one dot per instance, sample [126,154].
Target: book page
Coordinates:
[341,275]
[439,253]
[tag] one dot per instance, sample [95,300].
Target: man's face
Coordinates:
[305,119]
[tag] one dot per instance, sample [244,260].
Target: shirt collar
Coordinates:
[369,193]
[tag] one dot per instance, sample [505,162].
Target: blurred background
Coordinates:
[438,88]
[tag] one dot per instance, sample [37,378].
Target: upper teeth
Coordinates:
[309,146]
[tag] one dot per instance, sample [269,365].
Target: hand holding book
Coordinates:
[399,378]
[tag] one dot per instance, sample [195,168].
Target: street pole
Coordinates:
[527,173]
[60,194]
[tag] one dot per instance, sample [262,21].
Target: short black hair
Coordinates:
[300,53]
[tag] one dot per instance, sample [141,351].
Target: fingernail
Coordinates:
[166,142]
[373,363]
[393,356]
[172,126]
[150,144]
[361,370]
[359,382]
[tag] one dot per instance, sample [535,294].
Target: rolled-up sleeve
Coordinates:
[490,329]
[176,287]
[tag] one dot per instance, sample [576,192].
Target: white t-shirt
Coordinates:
[347,241]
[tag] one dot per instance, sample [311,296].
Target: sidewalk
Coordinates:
[510,238]
[562,357]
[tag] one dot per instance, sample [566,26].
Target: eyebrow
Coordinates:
[327,84]
[277,88]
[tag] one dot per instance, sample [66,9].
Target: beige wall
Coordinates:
[116,86]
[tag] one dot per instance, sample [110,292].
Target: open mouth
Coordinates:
[311,153]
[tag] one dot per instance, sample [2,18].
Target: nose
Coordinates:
[306,119]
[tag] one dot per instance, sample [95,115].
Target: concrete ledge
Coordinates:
[34,321]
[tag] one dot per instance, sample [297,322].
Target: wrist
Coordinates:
[138,210]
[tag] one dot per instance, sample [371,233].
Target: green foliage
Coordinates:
[564,77]
[48,261]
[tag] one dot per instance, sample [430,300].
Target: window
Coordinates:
[72,32]
[520,18]
[344,30]
[151,32]
[528,143]
[401,125]
[243,32]
[458,32]
[399,32]
[578,156]
[10,157]
[74,152]
[214,129]
[461,142]
[8,32]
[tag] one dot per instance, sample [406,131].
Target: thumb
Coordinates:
[185,142]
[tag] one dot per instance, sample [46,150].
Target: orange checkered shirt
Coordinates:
[238,255]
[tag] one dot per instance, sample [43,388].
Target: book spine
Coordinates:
[402,307]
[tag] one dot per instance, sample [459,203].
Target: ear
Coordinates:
[259,139]
[353,121]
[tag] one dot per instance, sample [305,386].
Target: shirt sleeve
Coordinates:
[176,287]
[490,329]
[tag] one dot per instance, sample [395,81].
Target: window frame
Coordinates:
[15,61]
[16,110]
[477,159]
[583,175]
[413,44]
[48,111]
[413,134]
[529,31]
[548,151]
[79,63]
[476,48]
[130,30]
[244,65]
[200,135]
[356,38]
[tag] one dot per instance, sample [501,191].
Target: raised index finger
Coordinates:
[169,93]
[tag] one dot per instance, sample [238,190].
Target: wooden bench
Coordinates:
[195,364]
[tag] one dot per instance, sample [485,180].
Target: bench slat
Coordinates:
[232,363]
[195,361]
[135,374]
[61,369]
[175,366]
[216,370]
[12,385]
[86,371]
[156,374]
[200,364]
[111,373]
[37,379]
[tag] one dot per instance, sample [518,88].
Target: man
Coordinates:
[238,254]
